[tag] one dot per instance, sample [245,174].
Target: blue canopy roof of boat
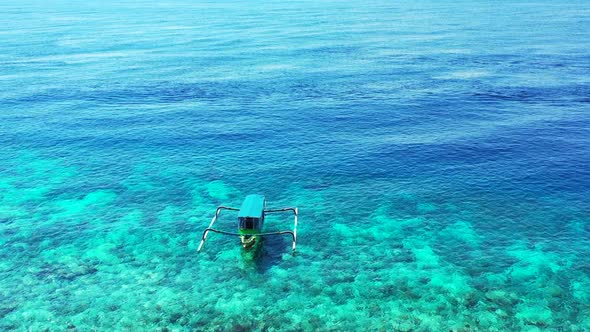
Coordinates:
[253,206]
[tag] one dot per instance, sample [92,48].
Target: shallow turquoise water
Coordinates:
[438,154]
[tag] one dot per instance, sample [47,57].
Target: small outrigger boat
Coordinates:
[250,220]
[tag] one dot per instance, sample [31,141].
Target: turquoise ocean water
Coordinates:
[438,153]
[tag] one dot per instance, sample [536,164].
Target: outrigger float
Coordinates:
[250,220]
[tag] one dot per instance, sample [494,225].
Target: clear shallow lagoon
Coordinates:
[438,152]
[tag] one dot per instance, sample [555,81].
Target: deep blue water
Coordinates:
[438,153]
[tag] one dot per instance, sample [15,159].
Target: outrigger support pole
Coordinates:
[211,224]
[294,232]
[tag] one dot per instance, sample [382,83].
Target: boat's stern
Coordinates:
[248,241]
